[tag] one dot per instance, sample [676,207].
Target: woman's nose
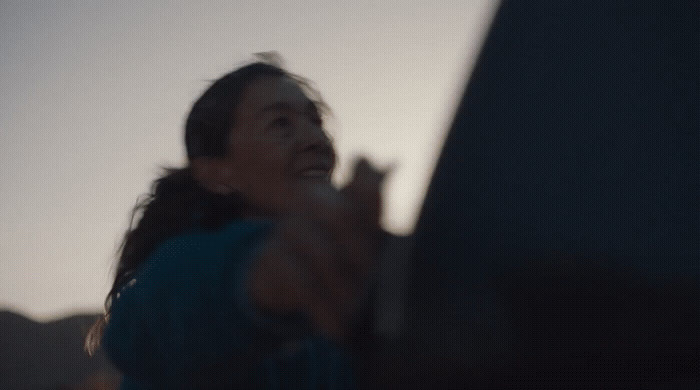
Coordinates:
[314,136]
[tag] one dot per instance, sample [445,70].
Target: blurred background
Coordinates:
[93,96]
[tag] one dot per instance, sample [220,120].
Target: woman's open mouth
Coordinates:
[316,170]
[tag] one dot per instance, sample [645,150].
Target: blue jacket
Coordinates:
[185,321]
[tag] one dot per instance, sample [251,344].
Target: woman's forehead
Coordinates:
[273,92]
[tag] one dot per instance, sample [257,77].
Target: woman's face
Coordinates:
[277,145]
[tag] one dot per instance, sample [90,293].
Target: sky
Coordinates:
[93,95]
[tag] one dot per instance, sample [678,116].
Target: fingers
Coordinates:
[351,218]
[328,243]
[367,178]
[364,190]
[357,205]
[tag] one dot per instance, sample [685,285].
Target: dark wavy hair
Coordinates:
[177,201]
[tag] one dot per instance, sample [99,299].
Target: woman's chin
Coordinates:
[315,179]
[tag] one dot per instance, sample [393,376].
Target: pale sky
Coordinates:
[93,95]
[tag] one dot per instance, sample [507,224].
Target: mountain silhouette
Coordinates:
[50,355]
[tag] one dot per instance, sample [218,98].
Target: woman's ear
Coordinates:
[213,174]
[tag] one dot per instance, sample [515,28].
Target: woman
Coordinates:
[247,264]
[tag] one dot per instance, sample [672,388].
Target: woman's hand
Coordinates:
[319,259]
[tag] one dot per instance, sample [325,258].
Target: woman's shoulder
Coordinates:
[197,239]
[186,294]
[200,251]
[197,260]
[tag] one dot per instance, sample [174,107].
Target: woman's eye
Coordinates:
[282,121]
[317,120]
[281,127]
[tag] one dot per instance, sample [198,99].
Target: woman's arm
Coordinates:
[184,316]
[213,304]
